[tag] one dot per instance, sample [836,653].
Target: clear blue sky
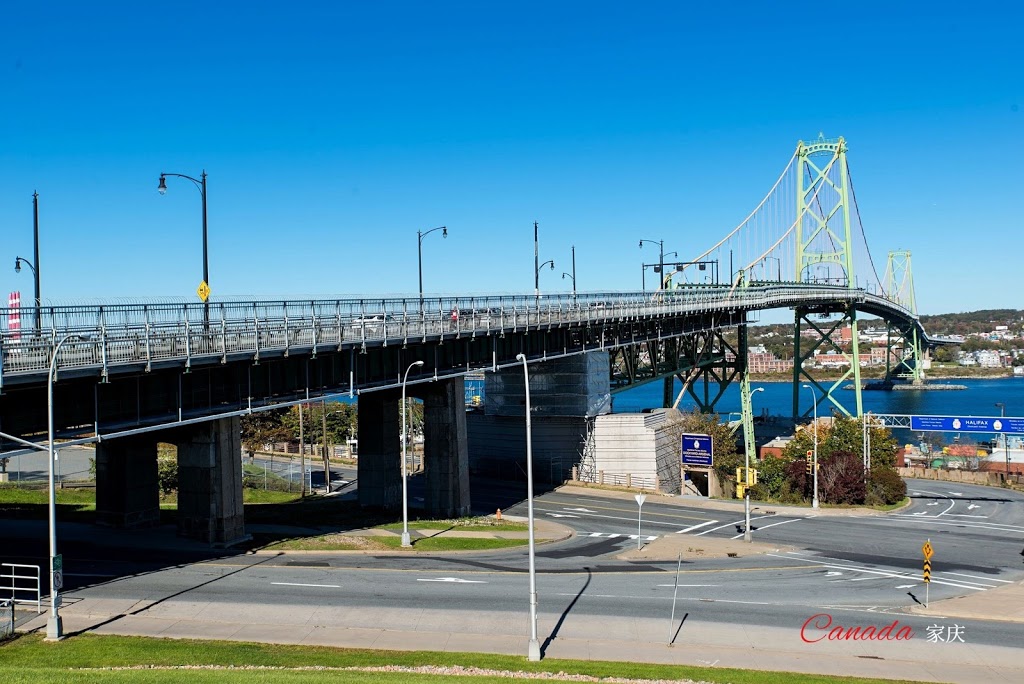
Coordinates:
[331,132]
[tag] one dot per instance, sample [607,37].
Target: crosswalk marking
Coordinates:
[616,535]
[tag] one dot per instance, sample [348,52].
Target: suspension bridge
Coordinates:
[128,370]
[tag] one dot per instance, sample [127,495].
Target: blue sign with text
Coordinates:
[1013,426]
[696,450]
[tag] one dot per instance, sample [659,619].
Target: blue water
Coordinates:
[978,399]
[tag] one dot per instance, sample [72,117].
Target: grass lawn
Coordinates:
[452,543]
[88,658]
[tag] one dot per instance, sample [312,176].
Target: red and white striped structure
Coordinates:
[14,314]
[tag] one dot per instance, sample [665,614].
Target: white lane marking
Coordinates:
[454,580]
[581,510]
[965,515]
[960,584]
[956,493]
[562,515]
[732,524]
[764,527]
[631,519]
[833,573]
[689,585]
[87,574]
[905,586]
[995,527]
[298,584]
[987,579]
[694,527]
[951,504]
[971,507]
[933,503]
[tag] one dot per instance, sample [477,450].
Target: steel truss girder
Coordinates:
[908,366]
[826,392]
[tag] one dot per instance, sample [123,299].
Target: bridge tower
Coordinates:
[824,254]
[902,343]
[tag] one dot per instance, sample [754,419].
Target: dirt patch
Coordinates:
[669,547]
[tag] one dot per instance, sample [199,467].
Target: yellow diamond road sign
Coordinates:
[203,291]
[927,550]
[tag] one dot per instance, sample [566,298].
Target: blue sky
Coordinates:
[332,132]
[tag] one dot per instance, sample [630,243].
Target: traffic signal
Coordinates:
[810,463]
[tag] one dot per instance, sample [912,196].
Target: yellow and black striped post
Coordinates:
[927,550]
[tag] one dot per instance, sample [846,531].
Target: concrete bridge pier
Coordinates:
[127,488]
[210,481]
[445,448]
[380,450]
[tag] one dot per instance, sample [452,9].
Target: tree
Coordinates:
[841,478]
[844,435]
[264,427]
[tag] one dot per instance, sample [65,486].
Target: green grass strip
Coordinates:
[30,660]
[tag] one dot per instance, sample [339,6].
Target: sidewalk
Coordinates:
[705,644]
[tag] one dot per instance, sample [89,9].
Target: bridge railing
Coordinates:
[110,335]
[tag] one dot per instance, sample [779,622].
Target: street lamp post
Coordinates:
[661,259]
[405,475]
[533,651]
[536,264]
[419,252]
[573,274]
[54,629]
[34,264]
[1006,439]
[746,490]
[200,184]
[814,501]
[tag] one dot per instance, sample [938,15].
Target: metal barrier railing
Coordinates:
[23,582]
[142,334]
[6,619]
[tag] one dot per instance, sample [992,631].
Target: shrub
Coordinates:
[759,492]
[841,479]
[167,474]
[886,485]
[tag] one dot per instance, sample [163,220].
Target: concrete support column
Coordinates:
[127,488]
[210,481]
[445,448]
[380,450]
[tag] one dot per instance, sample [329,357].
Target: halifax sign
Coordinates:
[1013,426]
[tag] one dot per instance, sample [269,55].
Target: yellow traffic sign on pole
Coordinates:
[927,572]
[203,291]
[927,550]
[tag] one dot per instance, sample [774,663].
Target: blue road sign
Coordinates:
[1012,426]
[696,450]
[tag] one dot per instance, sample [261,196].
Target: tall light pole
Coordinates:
[419,252]
[746,490]
[1006,439]
[533,650]
[661,259]
[34,264]
[573,274]
[200,184]
[814,398]
[536,263]
[54,629]
[405,475]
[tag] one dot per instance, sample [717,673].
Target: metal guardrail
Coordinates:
[144,334]
[6,619]
[23,583]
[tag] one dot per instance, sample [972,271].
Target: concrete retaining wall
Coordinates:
[967,476]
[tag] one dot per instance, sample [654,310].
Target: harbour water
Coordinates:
[979,399]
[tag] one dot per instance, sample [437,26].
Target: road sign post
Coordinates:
[640,498]
[927,550]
